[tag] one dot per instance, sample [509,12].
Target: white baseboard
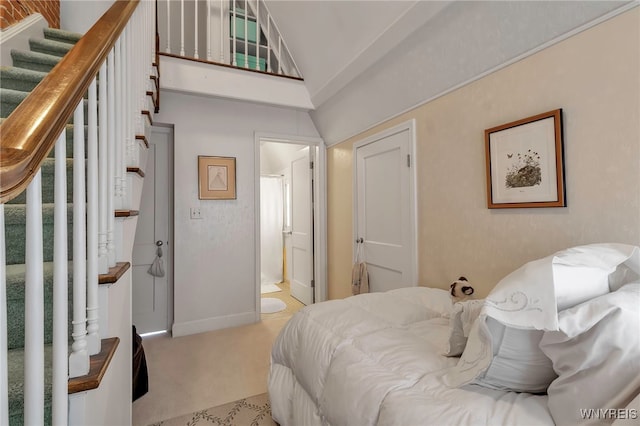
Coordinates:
[17,36]
[210,324]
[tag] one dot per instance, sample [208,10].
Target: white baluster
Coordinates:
[93,339]
[4,376]
[279,54]
[111,166]
[138,94]
[222,38]
[60,363]
[103,258]
[168,49]
[209,30]
[246,35]
[181,27]
[195,42]
[233,33]
[34,308]
[79,358]
[269,43]
[151,18]
[258,34]
[123,109]
[119,143]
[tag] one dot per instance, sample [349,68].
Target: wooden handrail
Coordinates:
[31,131]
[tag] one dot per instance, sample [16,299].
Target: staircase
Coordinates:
[119,145]
[16,82]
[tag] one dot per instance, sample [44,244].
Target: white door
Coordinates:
[302,228]
[385,208]
[151,293]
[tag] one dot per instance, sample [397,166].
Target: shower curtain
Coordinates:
[271,221]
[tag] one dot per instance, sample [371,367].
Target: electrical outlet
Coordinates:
[195,213]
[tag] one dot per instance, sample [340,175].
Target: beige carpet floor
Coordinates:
[193,373]
[252,411]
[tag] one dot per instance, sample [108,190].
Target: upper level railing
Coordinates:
[111,64]
[238,33]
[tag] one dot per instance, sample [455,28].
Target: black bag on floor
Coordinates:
[140,380]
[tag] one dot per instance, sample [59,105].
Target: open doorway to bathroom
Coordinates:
[287,239]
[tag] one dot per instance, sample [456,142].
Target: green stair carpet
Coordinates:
[29,68]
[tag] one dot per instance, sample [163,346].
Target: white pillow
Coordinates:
[502,349]
[597,347]
[531,296]
[462,317]
[501,357]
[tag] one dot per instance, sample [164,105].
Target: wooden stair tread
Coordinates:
[114,273]
[98,365]
[143,139]
[147,113]
[136,170]
[127,213]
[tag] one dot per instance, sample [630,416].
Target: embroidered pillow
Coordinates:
[502,350]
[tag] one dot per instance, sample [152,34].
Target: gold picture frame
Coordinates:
[525,163]
[216,178]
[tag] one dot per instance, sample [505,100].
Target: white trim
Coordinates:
[17,36]
[409,125]
[320,209]
[210,324]
[558,39]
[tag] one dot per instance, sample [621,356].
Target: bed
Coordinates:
[413,357]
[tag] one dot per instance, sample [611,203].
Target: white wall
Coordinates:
[215,256]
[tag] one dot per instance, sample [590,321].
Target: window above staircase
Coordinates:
[235,33]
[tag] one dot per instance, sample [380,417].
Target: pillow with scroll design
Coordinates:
[502,350]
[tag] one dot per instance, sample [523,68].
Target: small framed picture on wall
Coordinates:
[525,163]
[216,178]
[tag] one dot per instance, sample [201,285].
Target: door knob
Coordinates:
[159,243]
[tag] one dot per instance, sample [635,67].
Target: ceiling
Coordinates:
[333,42]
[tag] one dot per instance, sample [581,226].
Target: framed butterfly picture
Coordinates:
[525,163]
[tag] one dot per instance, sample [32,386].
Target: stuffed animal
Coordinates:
[461,290]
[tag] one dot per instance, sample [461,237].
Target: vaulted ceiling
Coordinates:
[364,61]
[334,41]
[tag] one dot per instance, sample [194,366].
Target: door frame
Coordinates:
[319,210]
[409,125]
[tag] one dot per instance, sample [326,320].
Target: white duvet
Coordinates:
[376,359]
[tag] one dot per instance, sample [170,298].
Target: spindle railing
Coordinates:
[119,50]
[238,33]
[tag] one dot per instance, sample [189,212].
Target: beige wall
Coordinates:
[595,78]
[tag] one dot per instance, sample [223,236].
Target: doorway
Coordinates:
[152,263]
[290,250]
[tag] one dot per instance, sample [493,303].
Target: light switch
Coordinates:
[195,213]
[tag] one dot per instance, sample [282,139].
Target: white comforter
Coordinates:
[375,359]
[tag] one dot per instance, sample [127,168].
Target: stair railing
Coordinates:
[238,33]
[119,51]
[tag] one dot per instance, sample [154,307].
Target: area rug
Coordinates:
[252,411]
[269,288]
[270,305]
